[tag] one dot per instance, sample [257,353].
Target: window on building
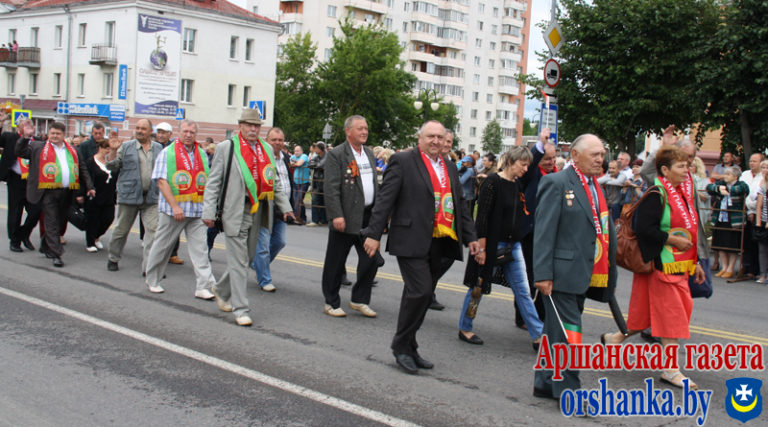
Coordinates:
[331,11]
[495,11]
[388,23]
[494,29]
[248,49]
[476,79]
[492,46]
[487,115]
[256,10]
[369,18]
[472,131]
[473,114]
[478,42]
[491,63]
[33,33]
[186,90]
[477,61]
[330,31]
[231,95]
[81,84]
[490,81]
[246,96]
[405,26]
[327,54]
[481,7]
[233,42]
[58,36]
[475,96]
[109,80]
[489,98]
[109,33]
[33,83]
[188,43]
[480,25]
[405,6]
[57,84]
[292,28]
[81,34]
[11,83]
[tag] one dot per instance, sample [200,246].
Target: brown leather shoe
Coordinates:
[175,260]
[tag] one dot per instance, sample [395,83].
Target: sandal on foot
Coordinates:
[676,379]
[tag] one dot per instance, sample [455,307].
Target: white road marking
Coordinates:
[218,363]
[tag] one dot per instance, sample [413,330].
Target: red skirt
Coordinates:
[662,302]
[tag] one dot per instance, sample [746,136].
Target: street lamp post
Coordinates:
[434,105]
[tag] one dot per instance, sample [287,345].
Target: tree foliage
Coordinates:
[297,103]
[632,66]
[735,80]
[447,113]
[364,75]
[492,137]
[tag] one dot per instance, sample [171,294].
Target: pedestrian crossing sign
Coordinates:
[18,115]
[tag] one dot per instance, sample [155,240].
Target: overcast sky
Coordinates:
[541,12]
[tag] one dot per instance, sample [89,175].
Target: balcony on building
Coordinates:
[25,57]
[367,5]
[103,54]
[291,11]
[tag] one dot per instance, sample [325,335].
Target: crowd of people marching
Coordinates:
[430,201]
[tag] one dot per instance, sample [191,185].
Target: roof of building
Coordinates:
[217,6]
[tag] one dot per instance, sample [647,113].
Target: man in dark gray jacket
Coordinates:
[136,191]
[350,189]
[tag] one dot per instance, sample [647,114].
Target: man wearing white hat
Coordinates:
[247,191]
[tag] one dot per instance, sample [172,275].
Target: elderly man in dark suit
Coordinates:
[574,251]
[430,221]
[14,170]
[55,171]
[350,189]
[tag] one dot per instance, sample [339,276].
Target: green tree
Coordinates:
[492,137]
[629,67]
[364,75]
[735,79]
[528,128]
[297,103]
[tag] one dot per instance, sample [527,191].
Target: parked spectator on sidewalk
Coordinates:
[613,183]
[750,263]
[300,165]
[728,194]
[317,166]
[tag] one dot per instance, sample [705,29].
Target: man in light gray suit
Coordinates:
[248,197]
[568,252]
[350,190]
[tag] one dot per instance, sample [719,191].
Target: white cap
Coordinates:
[164,126]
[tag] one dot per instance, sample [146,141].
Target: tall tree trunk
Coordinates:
[746,135]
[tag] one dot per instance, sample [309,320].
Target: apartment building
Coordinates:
[117,61]
[466,51]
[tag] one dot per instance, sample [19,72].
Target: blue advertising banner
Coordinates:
[122,81]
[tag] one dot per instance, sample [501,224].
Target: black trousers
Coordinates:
[17,203]
[100,217]
[420,276]
[527,246]
[336,254]
[750,255]
[54,206]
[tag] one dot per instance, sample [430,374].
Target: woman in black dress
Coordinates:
[100,209]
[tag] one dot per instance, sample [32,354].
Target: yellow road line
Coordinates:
[504,296]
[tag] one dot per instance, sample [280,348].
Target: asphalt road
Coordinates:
[85,346]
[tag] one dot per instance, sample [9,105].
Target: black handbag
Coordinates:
[759,234]
[218,221]
[76,216]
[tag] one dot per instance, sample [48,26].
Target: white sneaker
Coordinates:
[204,294]
[92,249]
[269,288]
[98,244]
[244,320]
[362,308]
[334,312]
[156,289]
[224,306]
[312,224]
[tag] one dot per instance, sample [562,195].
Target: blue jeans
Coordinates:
[299,190]
[514,271]
[267,248]
[318,208]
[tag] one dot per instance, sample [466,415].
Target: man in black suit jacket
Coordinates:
[54,201]
[350,189]
[11,172]
[416,208]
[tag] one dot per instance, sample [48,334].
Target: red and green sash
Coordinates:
[600,218]
[24,166]
[258,169]
[444,210]
[50,168]
[680,219]
[187,182]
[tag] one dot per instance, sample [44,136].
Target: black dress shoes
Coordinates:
[423,363]
[474,340]
[112,266]
[545,394]
[57,262]
[16,247]
[407,363]
[28,244]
